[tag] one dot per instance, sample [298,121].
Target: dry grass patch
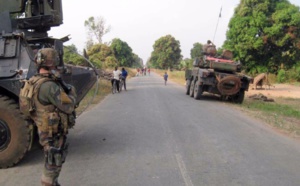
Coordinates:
[176,76]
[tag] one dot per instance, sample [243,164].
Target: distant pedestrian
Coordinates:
[149,71]
[124,76]
[166,78]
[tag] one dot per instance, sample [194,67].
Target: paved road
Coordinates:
[154,135]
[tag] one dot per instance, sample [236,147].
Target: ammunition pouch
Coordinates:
[57,156]
[49,123]
[71,119]
[67,120]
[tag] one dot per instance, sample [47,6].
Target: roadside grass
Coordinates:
[274,107]
[104,88]
[176,76]
[296,84]
[283,114]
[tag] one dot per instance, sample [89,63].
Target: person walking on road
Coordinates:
[124,76]
[116,77]
[166,78]
[53,112]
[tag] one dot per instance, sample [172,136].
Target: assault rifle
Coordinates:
[67,87]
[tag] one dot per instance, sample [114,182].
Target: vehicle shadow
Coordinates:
[210,97]
[33,157]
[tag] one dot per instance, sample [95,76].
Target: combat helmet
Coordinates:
[47,57]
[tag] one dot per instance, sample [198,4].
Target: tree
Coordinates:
[265,34]
[122,52]
[102,56]
[137,61]
[89,43]
[196,51]
[71,56]
[96,29]
[185,64]
[166,53]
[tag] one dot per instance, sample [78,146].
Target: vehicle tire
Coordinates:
[14,133]
[239,97]
[187,87]
[198,90]
[192,88]
[223,98]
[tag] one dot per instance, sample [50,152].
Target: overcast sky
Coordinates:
[141,22]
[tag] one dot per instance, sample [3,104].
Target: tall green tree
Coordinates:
[71,56]
[185,64]
[137,61]
[102,56]
[123,52]
[265,34]
[166,53]
[196,51]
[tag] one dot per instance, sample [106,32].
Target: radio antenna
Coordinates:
[217,24]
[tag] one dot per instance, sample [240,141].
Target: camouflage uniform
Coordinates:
[53,115]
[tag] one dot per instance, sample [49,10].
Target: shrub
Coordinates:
[281,76]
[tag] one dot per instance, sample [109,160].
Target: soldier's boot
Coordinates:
[46,181]
[49,184]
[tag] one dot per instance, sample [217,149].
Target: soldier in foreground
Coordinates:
[52,109]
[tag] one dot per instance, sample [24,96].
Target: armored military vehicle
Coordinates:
[217,75]
[23,31]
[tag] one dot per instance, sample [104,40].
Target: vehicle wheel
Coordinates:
[187,87]
[223,98]
[198,90]
[239,97]
[192,88]
[14,133]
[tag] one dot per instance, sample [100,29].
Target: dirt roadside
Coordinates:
[277,90]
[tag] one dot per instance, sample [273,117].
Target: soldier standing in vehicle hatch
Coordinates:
[53,113]
[209,48]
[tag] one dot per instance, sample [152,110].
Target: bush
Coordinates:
[258,70]
[281,76]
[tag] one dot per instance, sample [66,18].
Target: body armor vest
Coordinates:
[46,117]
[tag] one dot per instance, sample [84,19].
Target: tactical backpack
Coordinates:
[29,89]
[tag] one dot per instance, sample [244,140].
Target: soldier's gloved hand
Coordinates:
[72,91]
